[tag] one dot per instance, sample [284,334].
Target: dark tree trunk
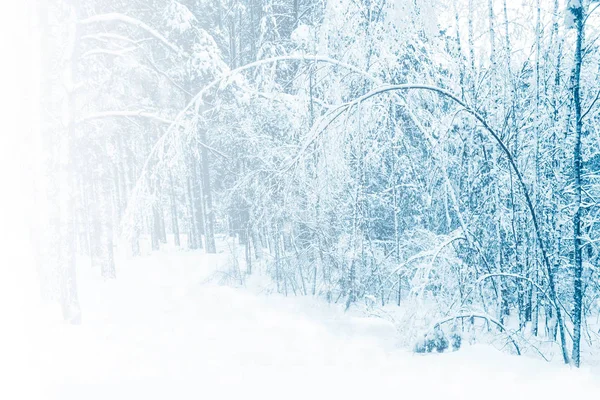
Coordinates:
[578,13]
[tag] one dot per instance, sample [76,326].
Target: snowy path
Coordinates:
[157,333]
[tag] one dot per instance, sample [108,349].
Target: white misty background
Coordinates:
[200,187]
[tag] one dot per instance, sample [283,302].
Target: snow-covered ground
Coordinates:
[165,330]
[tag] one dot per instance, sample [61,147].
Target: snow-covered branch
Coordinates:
[125,114]
[117,17]
[107,37]
[118,52]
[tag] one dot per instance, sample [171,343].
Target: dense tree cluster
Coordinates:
[437,155]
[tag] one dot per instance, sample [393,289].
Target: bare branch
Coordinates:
[591,107]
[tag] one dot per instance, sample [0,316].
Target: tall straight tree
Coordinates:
[576,8]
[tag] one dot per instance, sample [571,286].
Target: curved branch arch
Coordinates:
[406,87]
[509,156]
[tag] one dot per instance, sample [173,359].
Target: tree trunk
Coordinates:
[576,8]
[174,217]
[193,230]
[208,202]
[199,217]
[107,262]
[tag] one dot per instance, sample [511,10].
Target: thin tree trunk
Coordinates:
[193,231]
[174,216]
[207,195]
[107,267]
[198,203]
